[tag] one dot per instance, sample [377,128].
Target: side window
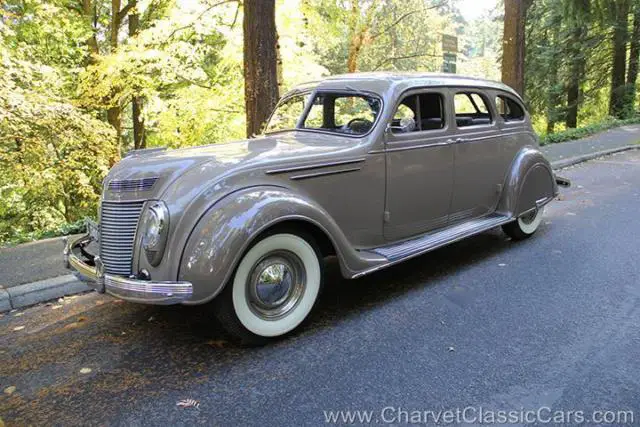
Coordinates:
[471,109]
[417,113]
[287,114]
[510,110]
[406,117]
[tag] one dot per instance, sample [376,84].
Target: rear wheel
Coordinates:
[274,288]
[525,226]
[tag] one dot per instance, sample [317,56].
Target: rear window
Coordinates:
[472,109]
[509,109]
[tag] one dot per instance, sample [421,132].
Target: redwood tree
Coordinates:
[260,62]
[634,56]
[514,43]
[139,137]
[620,36]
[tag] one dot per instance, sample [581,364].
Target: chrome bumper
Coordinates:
[135,290]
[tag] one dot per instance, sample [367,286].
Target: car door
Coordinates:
[480,158]
[419,160]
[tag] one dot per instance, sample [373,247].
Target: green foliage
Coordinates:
[582,132]
[53,157]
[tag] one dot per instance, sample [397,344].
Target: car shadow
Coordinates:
[342,298]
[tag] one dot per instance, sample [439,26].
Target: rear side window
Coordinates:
[472,109]
[509,109]
[418,113]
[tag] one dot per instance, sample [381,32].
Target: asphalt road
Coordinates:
[553,321]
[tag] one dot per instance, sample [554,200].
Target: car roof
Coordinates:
[394,83]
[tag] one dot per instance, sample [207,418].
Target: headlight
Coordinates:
[155,225]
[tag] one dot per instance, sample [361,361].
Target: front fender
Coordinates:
[224,233]
[530,183]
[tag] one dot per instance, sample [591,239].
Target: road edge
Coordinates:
[29,294]
[571,161]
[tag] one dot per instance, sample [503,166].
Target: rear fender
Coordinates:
[529,184]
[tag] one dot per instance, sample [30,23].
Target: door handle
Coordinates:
[460,140]
[455,141]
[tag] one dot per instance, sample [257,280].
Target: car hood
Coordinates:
[191,167]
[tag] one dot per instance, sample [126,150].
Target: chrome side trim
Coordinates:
[451,141]
[314,166]
[416,147]
[326,173]
[143,291]
[421,245]
[495,135]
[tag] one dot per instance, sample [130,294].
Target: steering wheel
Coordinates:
[365,123]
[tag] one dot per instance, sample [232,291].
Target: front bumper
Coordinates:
[130,289]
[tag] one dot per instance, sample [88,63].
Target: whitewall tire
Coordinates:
[275,287]
[525,226]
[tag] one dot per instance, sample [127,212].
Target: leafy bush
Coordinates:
[573,134]
[53,157]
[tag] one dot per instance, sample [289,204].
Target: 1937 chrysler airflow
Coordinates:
[374,168]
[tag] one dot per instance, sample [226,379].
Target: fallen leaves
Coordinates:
[217,343]
[10,390]
[188,403]
[85,370]
[18,328]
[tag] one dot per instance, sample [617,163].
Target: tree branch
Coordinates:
[125,10]
[403,17]
[207,10]
[398,58]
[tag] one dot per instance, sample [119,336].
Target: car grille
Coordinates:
[118,224]
[125,185]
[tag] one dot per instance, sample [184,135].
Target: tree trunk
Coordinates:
[260,63]
[620,36]
[554,89]
[139,135]
[514,43]
[358,32]
[280,68]
[114,113]
[634,58]
[576,76]
[89,12]
[355,38]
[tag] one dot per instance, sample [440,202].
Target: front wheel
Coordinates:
[274,288]
[525,226]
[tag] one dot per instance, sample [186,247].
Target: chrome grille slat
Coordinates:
[118,225]
[125,185]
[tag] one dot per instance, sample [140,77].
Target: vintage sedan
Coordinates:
[372,168]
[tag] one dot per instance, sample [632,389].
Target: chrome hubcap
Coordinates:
[276,284]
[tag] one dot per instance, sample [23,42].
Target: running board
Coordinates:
[428,242]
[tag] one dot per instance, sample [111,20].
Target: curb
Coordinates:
[565,163]
[41,291]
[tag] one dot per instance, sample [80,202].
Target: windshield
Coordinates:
[349,114]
